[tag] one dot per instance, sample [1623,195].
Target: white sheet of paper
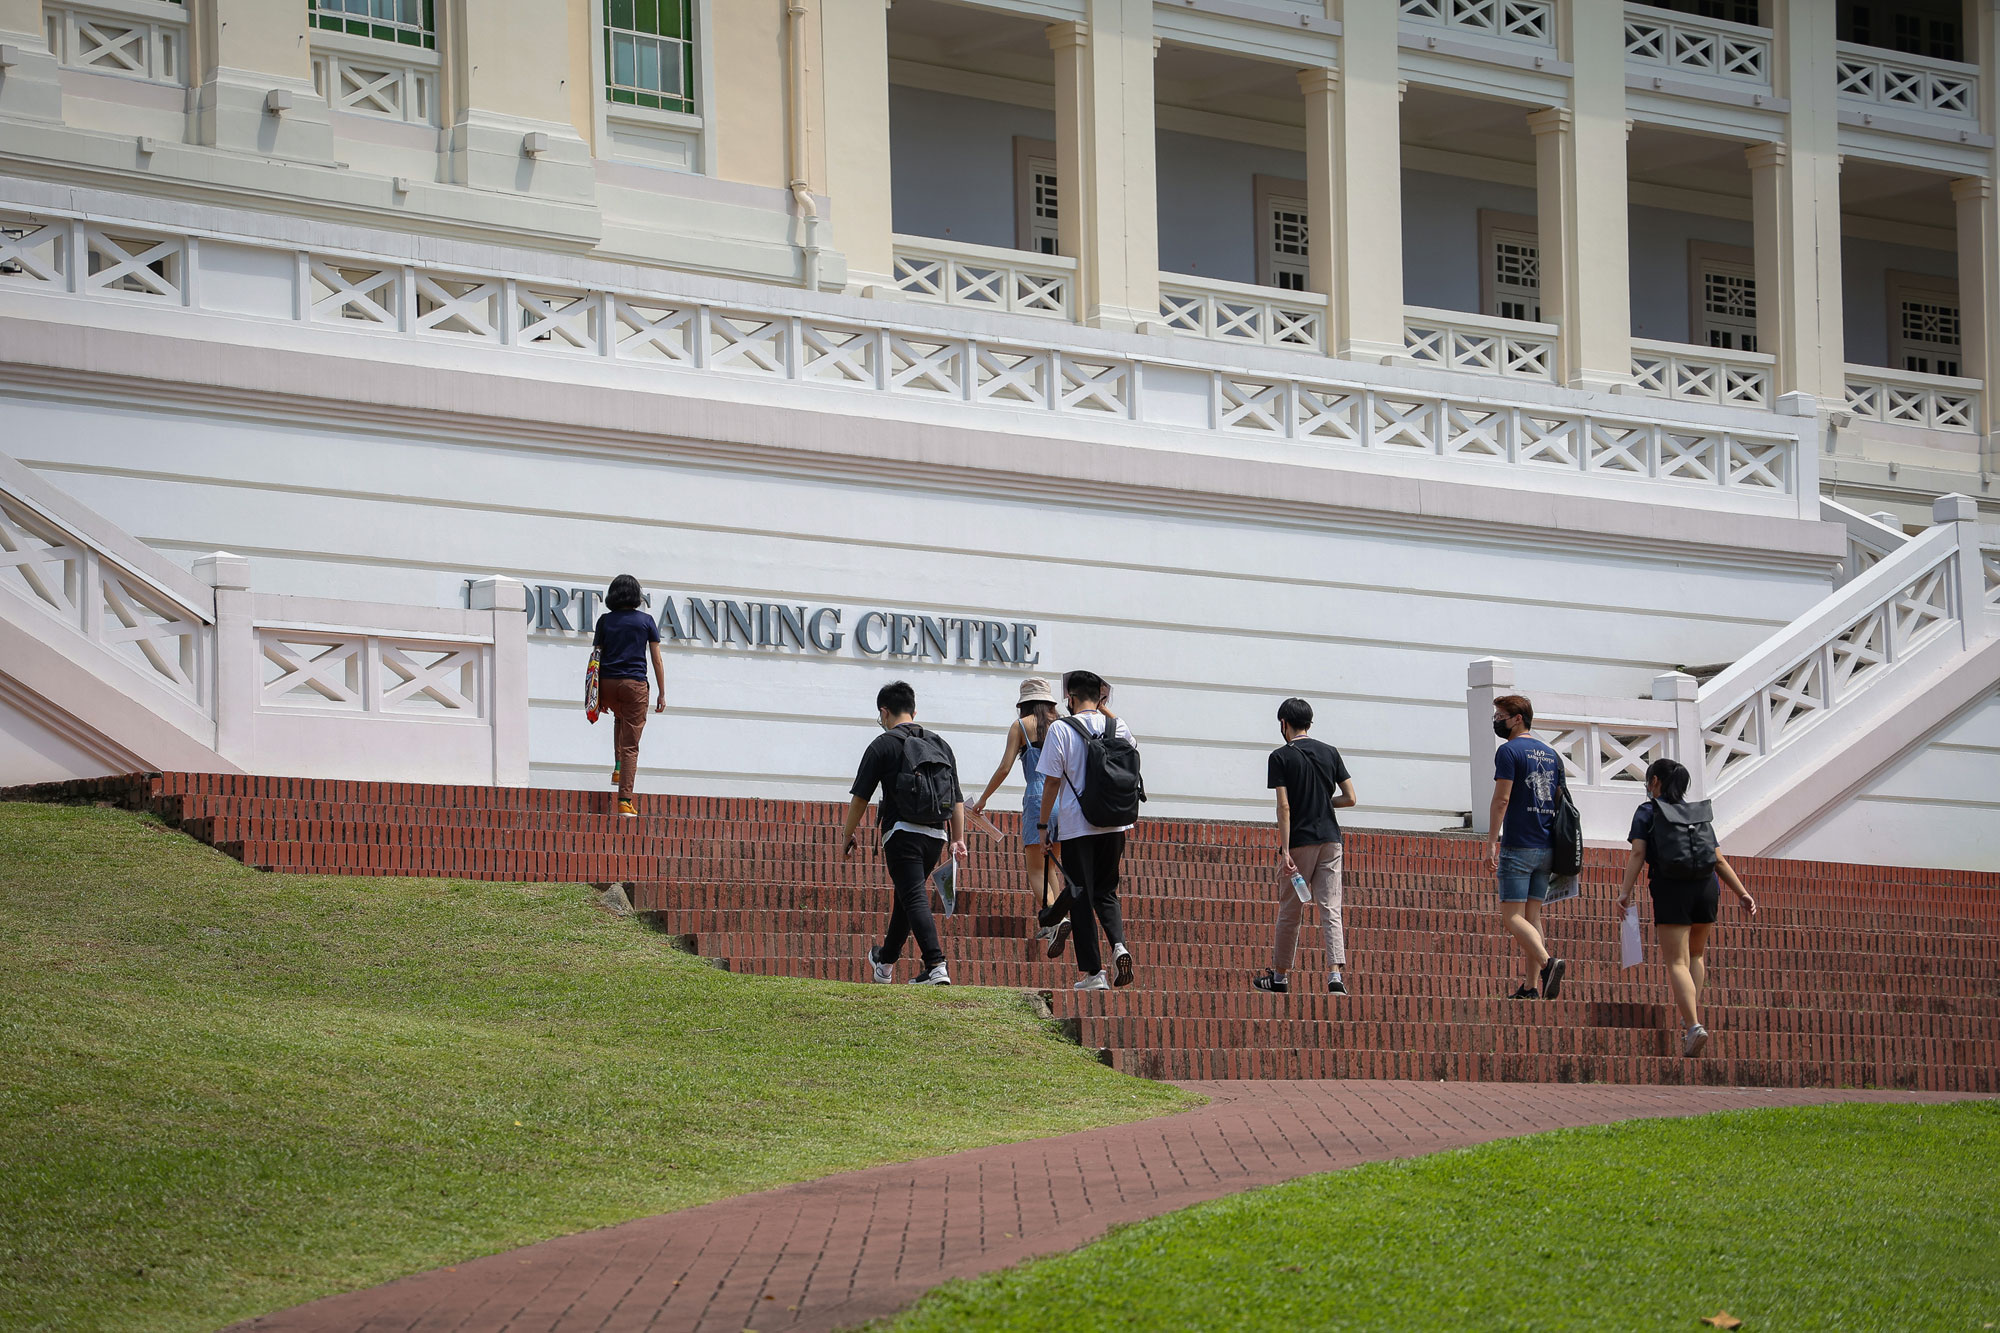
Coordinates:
[1631,944]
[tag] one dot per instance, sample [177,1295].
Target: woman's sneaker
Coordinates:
[1095,981]
[1057,936]
[628,810]
[1267,980]
[1693,1040]
[614,775]
[884,972]
[1121,965]
[935,977]
[1552,977]
[1525,993]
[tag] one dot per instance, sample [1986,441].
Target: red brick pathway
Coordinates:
[836,1252]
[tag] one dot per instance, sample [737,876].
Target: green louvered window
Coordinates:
[649,53]
[404,22]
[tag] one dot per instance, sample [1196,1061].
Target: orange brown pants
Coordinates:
[626,701]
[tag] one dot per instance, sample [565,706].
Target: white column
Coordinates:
[1803,208]
[1108,219]
[855,39]
[1584,224]
[253,81]
[30,85]
[1979,299]
[1684,692]
[508,65]
[506,600]
[1486,679]
[1358,110]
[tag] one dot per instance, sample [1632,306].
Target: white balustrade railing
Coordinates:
[375,78]
[310,666]
[132,39]
[1236,312]
[1892,81]
[1520,20]
[1019,369]
[1906,398]
[1458,340]
[1689,374]
[1659,39]
[1900,620]
[985,277]
[1871,538]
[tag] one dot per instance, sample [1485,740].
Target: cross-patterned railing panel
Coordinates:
[1873,77]
[1015,281]
[1233,312]
[1599,753]
[362,672]
[999,368]
[1454,340]
[130,39]
[1742,727]
[394,83]
[1688,374]
[1905,398]
[1519,20]
[62,574]
[1658,39]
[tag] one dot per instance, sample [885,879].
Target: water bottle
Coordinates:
[1300,887]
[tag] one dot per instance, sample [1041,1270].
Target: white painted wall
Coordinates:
[1659,239]
[1441,235]
[1943,798]
[1208,219]
[1203,622]
[951,161]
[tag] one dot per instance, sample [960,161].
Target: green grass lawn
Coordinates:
[224,1092]
[1828,1218]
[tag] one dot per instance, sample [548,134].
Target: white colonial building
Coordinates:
[1232,348]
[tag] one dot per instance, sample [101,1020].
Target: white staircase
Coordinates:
[1905,649]
[115,660]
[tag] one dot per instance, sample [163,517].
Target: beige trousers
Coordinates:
[1320,864]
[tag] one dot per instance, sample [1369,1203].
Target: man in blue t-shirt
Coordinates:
[1526,777]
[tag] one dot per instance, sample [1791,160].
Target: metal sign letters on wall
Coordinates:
[556,609]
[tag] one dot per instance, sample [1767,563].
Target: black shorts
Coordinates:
[1685,902]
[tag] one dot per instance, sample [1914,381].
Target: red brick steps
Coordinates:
[1850,976]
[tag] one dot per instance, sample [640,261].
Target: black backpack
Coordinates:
[1684,836]
[1112,787]
[927,788]
[1565,832]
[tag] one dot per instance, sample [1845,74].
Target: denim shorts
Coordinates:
[1524,873]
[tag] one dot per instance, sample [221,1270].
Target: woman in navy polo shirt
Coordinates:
[625,635]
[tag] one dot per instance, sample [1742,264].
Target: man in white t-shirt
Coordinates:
[1089,854]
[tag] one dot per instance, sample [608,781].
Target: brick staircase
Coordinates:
[1852,975]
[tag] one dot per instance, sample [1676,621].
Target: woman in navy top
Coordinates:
[625,636]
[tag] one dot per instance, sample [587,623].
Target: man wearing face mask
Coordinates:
[1526,777]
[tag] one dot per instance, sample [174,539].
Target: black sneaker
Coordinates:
[1552,978]
[1336,987]
[1059,936]
[1267,980]
[1525,993]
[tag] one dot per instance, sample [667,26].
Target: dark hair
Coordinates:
[898,697]
[1044,711]
[1517,706]
[1085,685]
[1673,779]
[623,594]
[1296,714]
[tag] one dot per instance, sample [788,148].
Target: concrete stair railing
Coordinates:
[1899,649]
[114,659]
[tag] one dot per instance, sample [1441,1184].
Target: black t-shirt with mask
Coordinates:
[1311,772]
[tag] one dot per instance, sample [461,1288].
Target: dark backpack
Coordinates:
[1684,837]
[1112,787]
[1565,832]
[927,788]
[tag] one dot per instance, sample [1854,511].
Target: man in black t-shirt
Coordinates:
[910,844]
[1312,782]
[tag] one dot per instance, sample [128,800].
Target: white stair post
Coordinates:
[506,601]
[1485,680]
[237,675]
[1969,572]
[1684,692]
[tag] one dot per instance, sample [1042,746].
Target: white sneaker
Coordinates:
[1095,981]
[1121,966]
[884,972]
[1693,1040]
[937,976]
